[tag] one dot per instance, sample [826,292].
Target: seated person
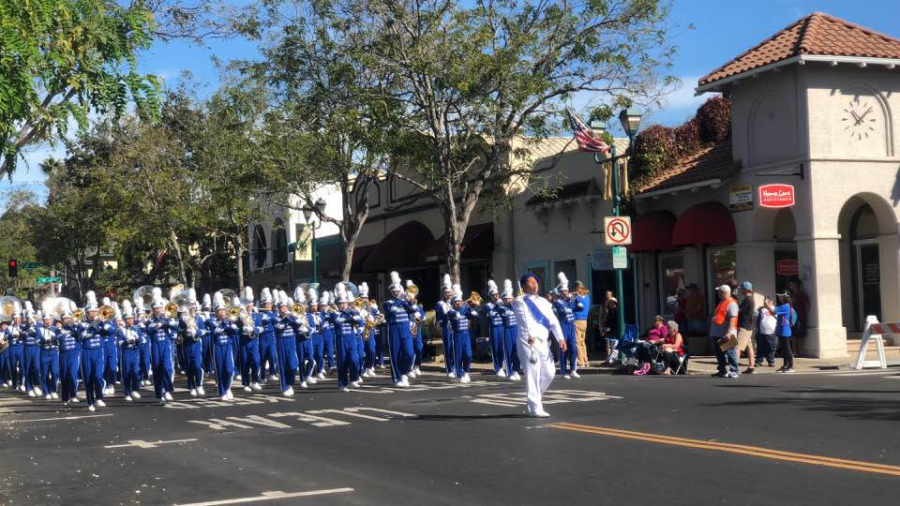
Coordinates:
[642,349]
[671,346]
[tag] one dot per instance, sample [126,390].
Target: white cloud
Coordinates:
[683,96]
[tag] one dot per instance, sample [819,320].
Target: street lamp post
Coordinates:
[307,213]
[631,120]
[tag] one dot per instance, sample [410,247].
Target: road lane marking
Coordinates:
[139,443]
[802,458]
[55,419]
[270,496]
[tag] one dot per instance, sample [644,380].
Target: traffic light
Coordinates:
[13,268]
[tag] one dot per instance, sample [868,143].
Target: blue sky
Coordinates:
[722,30]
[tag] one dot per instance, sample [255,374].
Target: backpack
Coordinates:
[793,319]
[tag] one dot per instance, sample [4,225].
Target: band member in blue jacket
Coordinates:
[108,331]
[142,317]
[286,325]
[329,332]
[89,332]
[416,322]
[206,314]
[31,352]
[251,327]
[46,335]
[495,328]
[459,318]
[346,319]
[222,331]
[398,312]
[69,357]
[268,351]
[564,307]
[440,314]
[161,331]
[192,329]
[510,332]
[130,336]
[306,363]
[16,352]
[314,319]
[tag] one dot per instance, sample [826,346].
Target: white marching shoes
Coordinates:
[248,389]
[193,392]
[128,398]
[168,396]
[405,380]
[100,403]
[289,392]
[312,380]
[136,394]
[355,384]
[38,392]
[31,393]
[501,373]
[514,376]
[321,376]
[576,375]
[303,384]
[201,392]
[256,386]
[54,395]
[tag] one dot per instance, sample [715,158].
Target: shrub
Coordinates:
[715,119]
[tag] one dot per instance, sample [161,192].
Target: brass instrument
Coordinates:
[8,308]
[358,304]
[107,312]
[234,313]
[298,310]
[145,295]
[474,299]
[412,291]
[171,309]
[78,314]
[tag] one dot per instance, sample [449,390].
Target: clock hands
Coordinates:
[864,114]
[855,117]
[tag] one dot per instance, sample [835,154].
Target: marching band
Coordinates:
[293,341]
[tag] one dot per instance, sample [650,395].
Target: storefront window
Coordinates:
[671,268]
[721,265]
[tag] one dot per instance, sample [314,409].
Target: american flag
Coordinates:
[584,136]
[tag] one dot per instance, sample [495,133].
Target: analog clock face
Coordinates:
[858,118]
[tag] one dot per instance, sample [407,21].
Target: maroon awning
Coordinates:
[707,223]
[478,242]
[400,249]
[653,232]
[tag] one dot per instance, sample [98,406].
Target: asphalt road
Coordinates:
[824,438]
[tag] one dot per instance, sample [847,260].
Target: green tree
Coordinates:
[16,224]
[64,58]
[474,77]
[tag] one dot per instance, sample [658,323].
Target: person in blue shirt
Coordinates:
[459,318]
[161,331]
[582,307]
[46,336]
[91,336]
[222,332]
[268,350]
[510,332]
[440,314]
[130,335]
[397,312]
[495,328]
[345,321]
[564,307]
[286,326]
[785,316]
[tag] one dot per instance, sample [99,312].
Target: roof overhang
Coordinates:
[693,187]
[889,63]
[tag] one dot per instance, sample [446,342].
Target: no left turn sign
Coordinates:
[618,230]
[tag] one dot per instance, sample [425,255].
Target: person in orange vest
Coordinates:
[723,326]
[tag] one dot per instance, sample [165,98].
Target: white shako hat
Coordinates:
[492,287]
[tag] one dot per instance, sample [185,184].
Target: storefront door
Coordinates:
[868,280]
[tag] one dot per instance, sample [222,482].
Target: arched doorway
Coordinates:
[784,232]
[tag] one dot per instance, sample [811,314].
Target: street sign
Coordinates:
[601,260]
[618,230]
[30,266]
[620,257]
[776,196]
[46,280]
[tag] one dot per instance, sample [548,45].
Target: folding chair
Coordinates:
[683,356]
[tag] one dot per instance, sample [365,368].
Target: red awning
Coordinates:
[478,242]
[400,249]
[707,223]
[653,232]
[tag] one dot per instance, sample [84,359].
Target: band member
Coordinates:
[495,328]
[69,357]
[108,331]
[329,334]
[314,320]
[510,333]
[306,363]
[459,318]
[536,322]
[345,321]
[268,357]
[161,331]
[192,329]
[440,314]
[564,308]
[31,353]
[46,336]
[222,332]
[92,354]
[5,377]
[142,318]
[206,315]
[397,311]
[370,341]
[251,326]
[129,337]
[363,312]
[16,351]
[417,317]
[285,326]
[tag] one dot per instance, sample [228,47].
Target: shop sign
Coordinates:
[776,196]
[741,198]
[787,267]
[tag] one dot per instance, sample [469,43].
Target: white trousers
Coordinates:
[537,376]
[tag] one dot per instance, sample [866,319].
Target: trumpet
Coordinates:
[412,291]
[171,309]
[107,312]
[78,314]
[474,299]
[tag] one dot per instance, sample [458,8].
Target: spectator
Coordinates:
[784,313]
[695,309]
[680,315]
[766,341]
[671,347]
[746,312]
[581,316]
[801,305]
[723,327]
[611,326]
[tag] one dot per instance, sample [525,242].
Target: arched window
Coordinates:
[259,247]
[279,242]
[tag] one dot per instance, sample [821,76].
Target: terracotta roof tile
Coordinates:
[714,162]
[817,34]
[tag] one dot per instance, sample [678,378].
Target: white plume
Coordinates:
[395,278]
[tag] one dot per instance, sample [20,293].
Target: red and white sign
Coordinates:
[787,267]
[776,196]
[618,230]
